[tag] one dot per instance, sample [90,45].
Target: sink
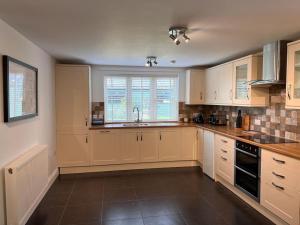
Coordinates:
[135,124]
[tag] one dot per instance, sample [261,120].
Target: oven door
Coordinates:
[247,183]
[247,161]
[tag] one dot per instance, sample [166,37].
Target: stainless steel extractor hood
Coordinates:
[274,65]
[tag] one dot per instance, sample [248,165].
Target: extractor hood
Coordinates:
[274,65]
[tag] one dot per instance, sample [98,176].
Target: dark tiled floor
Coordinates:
[181,197]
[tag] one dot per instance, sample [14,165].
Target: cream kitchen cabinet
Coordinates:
[169,145]
[293,76]
[224,158]
[189,143]
[149,145]
[194,87]
[211,86]
[246,70]
[130,146]
[72,90]
[280,186]
[105,147]
[73,149]
[200,141]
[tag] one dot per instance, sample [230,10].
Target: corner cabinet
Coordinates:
[246,70]
[194,87]
[293,76]
[72,90]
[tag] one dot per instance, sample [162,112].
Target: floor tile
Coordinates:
[165,220]
[158,207]
[123,222]
[81,214]
[60,186]
[55,200]
[81,198]
[116,182]
[46,216]
[121,210]
[118,195]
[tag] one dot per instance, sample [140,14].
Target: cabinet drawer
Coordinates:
[283,203]
[225,167]
[224,142]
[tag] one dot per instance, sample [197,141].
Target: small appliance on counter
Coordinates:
[198,119]
[98,120]
[219,120]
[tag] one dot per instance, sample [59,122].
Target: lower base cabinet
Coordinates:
[189,143]
[130,146]
[72,149]
[169,145]
[104,147]
[149,145]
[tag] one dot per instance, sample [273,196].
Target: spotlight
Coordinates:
[151,60]
[186,38]
[177,34]
[177,42]
[172,37]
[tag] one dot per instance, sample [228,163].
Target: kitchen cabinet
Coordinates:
[218,84]
[73,149]
[293,75]
[149,145]
[208,153]
[246,70]
[72,91]
[194,87]
[105,148]
[169,145]
[280,186]
[224,158]
[200,140]
[189,143]
[130,146]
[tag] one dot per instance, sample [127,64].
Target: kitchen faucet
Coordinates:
[138,110]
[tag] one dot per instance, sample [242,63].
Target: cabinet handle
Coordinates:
[224,141]
[225,159]
[141,137]
[215,95]
[277,186]
[223,150]
[104,131]
[289,91]
[160,136]
[278,175]
[248,93]
[278,160]
[137,137]
[201,97]
[86,139]
[230,94]
[86,121]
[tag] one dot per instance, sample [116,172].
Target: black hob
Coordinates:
[267,139]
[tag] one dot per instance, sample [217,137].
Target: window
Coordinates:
[156,97]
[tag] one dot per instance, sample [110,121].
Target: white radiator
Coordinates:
[26,179]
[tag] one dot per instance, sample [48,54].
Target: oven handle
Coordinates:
[246,172]
[246,153]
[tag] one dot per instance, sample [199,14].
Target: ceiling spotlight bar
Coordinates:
[150,61]
[177,33]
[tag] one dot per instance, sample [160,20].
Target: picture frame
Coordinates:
[20,90]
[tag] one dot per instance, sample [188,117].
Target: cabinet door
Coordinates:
[72,97]
[189,143]
[241,89]
[208,154]
[194,87]
[130,146]
[169,145]
[200,143]
[72,149]
[211,86]
[104,147]
[149,145]
[293,76]
[225,86]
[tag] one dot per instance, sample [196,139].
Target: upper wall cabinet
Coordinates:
[293,76]
[194,87]
[218,85]
[246,70]
[72,97]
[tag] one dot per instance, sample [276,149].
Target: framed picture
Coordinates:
[20,88]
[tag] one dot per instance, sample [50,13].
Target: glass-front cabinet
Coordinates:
[241,78]
[293,76]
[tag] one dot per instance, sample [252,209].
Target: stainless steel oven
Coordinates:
[247,169]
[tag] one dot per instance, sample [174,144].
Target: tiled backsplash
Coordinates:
[273,120]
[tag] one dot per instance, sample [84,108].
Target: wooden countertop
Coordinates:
[288,149]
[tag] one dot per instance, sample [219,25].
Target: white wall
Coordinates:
[17,137]
[98,72]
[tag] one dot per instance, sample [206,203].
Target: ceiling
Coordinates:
[124,32]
